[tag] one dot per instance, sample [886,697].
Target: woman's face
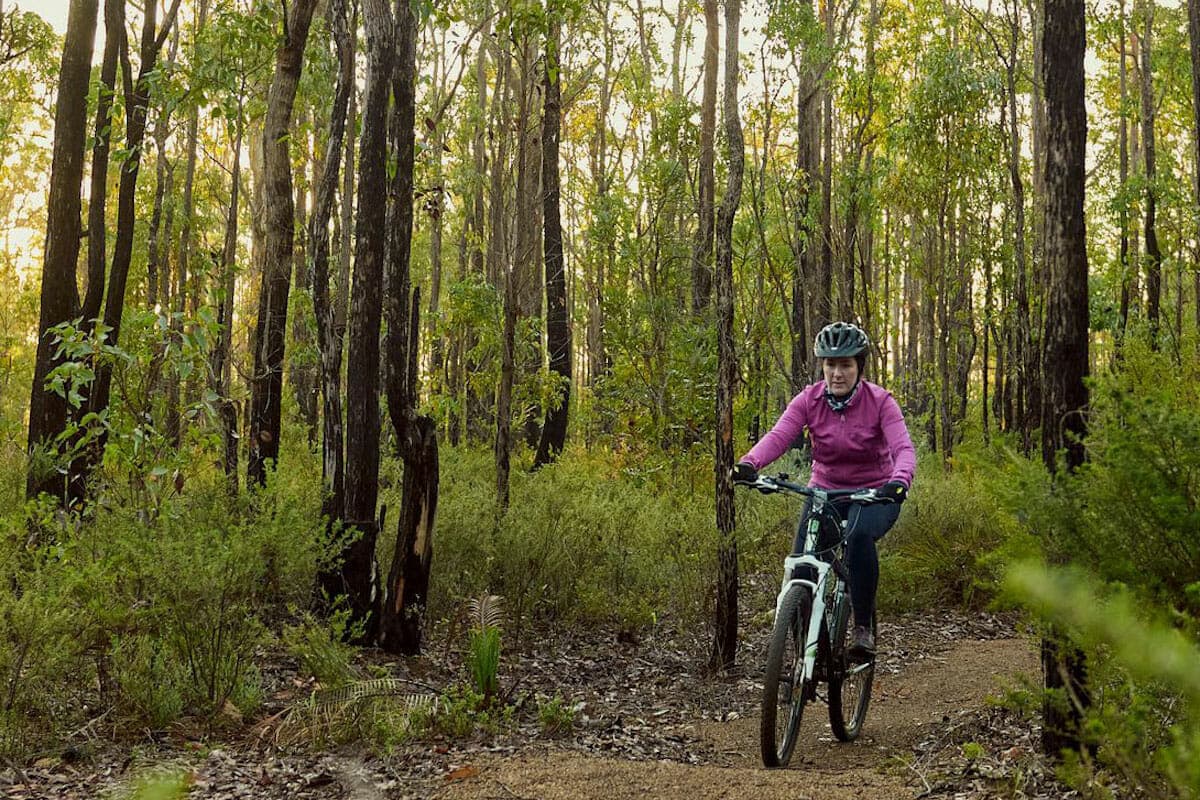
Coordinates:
[840,374]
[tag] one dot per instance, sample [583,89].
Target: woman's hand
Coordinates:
[744,472]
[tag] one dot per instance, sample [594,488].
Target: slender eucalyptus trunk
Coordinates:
[59,298]
[1123,179]
[329,333]
[405,593]
[702,276]
[359,569]
[279,242]
[1193,8]
[1066,334]
[558,326]
[724,652]
[1153,251]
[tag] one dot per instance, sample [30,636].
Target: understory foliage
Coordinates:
[1128,524]
[623,537]
[955,535]
[163,614]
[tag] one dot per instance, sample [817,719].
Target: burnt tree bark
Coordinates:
[97,227]
[1066,332]
[358,577]
[270,333]
[329,333]
[183,278]
[407,587]
[724,652]
[137,102]
[220,371]
[59,299]
[558,327]
[702,277]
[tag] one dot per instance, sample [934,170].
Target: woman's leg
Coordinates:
[868,524]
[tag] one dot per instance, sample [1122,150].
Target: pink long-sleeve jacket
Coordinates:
[866,445]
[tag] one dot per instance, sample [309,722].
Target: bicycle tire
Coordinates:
[785,657]
[850,683]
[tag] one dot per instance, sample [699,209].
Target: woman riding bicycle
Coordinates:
[859,440]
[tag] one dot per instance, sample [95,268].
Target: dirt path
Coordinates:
[649,724]
[913,702]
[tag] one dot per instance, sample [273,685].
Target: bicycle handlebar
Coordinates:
[771,484]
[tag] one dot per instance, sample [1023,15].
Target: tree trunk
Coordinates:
[724,652]
[503,441]
[807,148]
[1153,252]
[137,102]
[702,277]
[479,153]
[824,299]
[1193,8]
[405,593]
[303,368]
[1123,158]
[1031,379]
[329,333]
[220,373]
[59,293]
[528,211]
[359,572]
[97,229]
[271,330]
[1066,332]
[558,325]
[598,261]
[154,260]
[1023,343]
[397,283]
[183,254]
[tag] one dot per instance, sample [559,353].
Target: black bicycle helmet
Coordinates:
[841,340]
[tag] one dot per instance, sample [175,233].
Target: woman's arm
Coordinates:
[780,437]
[895,433]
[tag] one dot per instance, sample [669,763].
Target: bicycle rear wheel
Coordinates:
[850,683]
[784,692]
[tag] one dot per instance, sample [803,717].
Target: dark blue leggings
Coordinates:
[868,524]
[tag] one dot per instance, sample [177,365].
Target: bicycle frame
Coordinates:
[823,570]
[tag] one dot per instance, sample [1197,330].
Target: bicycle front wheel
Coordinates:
[850,682]
[784,690]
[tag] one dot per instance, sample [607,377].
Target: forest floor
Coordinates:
[648,723]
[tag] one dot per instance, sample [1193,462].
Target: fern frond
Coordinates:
[396,688]
[487,611]
[337,714]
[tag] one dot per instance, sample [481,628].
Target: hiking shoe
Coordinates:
[862,648]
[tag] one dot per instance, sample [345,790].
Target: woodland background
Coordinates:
[530,276]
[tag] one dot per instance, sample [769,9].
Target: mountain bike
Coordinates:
[812,632]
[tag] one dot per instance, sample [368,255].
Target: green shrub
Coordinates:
[592,537]
[953,540]
[1134,507]
[163,611]
[322,646]
[1142,678]
[150,681]
[43,660]
[556,715]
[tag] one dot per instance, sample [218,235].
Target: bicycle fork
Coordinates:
[816,592]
